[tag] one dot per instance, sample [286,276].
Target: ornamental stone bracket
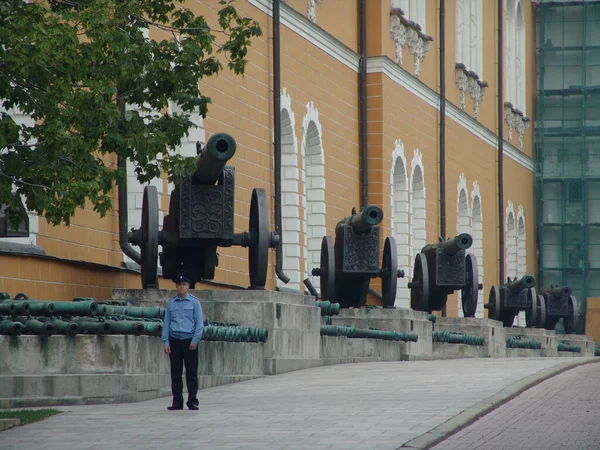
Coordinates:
[406,33]
[312,10]
[516,120]
[468,82]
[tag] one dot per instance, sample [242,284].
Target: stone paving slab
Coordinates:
[383,405]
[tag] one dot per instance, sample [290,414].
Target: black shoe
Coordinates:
[174,407]
[193,405]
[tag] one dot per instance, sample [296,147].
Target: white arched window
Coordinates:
[463,221]
[511,243]
[400,220]
[313,178]
[469,35]
[290,200]
[477,249]
[418,211]
[514,58]
[414,10]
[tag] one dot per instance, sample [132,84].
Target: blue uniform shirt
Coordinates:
[183,319]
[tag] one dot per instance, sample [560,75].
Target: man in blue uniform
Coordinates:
[182,329]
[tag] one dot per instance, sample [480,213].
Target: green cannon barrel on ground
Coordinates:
[20,308]
[93,326]
[452,337]
[453,245]
[33,326]
[518,342]
[11,328]
[370,333]
[328,308]
[212,159]
[517,285]
[126,327]
[154,312]
[234,334]
[564,347]
[67,328]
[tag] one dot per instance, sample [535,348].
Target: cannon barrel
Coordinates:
[68,328]
[559,292]
[33,326]
[15,307]
[78,308]
[211,160]
[11,328]
[525,282]
[363,221]
[453,245]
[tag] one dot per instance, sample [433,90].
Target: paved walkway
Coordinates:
[354,406]
[562,412]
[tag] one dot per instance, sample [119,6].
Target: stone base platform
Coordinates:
[546,338]
[491,330]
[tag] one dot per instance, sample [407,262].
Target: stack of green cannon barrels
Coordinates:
[370,333]
[328,309]
[22,315]
[519,342]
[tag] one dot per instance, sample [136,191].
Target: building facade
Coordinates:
[322,66]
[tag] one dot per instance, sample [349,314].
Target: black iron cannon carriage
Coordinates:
[559,303]
[505,302]
[439,270]
[347,266]
[200,219]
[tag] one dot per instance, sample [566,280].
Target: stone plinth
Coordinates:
[586,344]
[82,369]
[491,330]
[546,338]
[292,320]
[401,320]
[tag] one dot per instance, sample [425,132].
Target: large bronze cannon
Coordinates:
[505,302]
[200,219]
[442,268]
[347,266]
[559,303]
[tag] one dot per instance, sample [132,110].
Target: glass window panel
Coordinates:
[592,149]
[572,161]
[593,284]
[574,248]
[574,204]
[552,203]
[552,164]
[573,77]
[550,277]
[593,242]
[551,247]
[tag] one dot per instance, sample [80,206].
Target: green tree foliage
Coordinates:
[96,85]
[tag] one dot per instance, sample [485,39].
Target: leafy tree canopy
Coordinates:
[95,84]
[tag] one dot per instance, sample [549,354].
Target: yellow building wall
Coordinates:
[592,318]
[243,106]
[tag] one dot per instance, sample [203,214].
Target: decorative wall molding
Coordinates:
[382,64]
[406,33]
[468,82]
[516,120]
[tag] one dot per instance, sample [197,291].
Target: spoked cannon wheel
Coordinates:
[149,238]
[532,312]
[419,286]
[258,249]
[570,321]
[541,305]
[389,272]
[470,292]
[326,270]
[493,305]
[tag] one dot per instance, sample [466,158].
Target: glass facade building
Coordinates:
[567,140]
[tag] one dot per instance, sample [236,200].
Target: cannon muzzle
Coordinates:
[525,282]
[559,292]
[211,160]
[366,219]
[454,245]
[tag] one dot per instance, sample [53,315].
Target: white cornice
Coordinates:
[314,34]
[382,64]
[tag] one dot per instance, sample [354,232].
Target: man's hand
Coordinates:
[168,350]
[193,346]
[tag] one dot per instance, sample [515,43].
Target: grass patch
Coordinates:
[29,415]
